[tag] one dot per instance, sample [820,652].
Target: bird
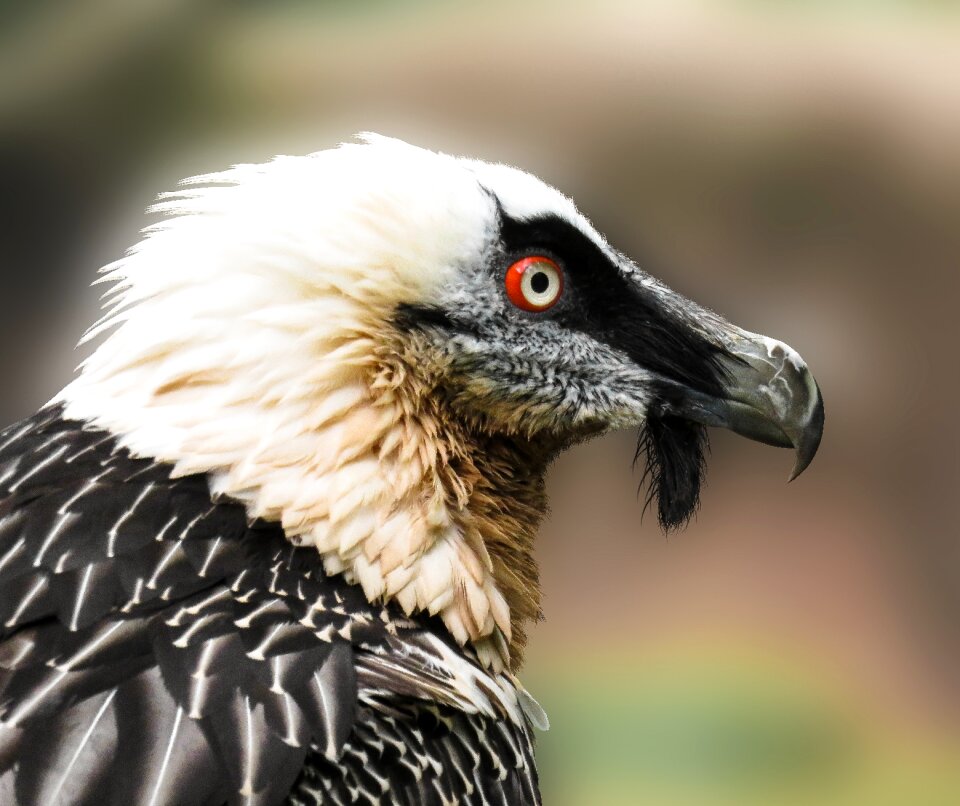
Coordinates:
[274,542]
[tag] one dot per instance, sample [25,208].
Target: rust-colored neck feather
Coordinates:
[493,487]
[506,503]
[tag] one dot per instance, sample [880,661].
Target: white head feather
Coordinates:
[243,339]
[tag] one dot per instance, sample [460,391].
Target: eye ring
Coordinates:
[534,283]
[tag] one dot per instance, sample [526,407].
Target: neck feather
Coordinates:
[370,467]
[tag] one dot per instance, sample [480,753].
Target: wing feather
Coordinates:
[138,615]
[157,648]
[58,763]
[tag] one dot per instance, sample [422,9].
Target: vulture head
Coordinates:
[382,348]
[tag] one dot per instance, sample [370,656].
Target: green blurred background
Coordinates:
[794,165]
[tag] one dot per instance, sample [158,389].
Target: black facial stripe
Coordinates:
[601,302]
[598,300]
[413,317]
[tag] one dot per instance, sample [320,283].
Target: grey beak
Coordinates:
[769,396]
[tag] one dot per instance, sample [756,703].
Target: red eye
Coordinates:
[534,283]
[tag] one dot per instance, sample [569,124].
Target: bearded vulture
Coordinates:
[274,544]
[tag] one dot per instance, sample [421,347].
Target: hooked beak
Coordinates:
[768,395]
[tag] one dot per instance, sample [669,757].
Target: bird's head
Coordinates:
[382,347]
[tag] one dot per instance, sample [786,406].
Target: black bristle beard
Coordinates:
[674,453]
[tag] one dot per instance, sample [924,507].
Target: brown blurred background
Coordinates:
[793,165]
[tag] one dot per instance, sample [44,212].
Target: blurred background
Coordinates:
[793,165]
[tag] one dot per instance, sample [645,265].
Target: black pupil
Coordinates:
[539,282]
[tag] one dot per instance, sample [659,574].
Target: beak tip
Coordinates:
[808,440]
